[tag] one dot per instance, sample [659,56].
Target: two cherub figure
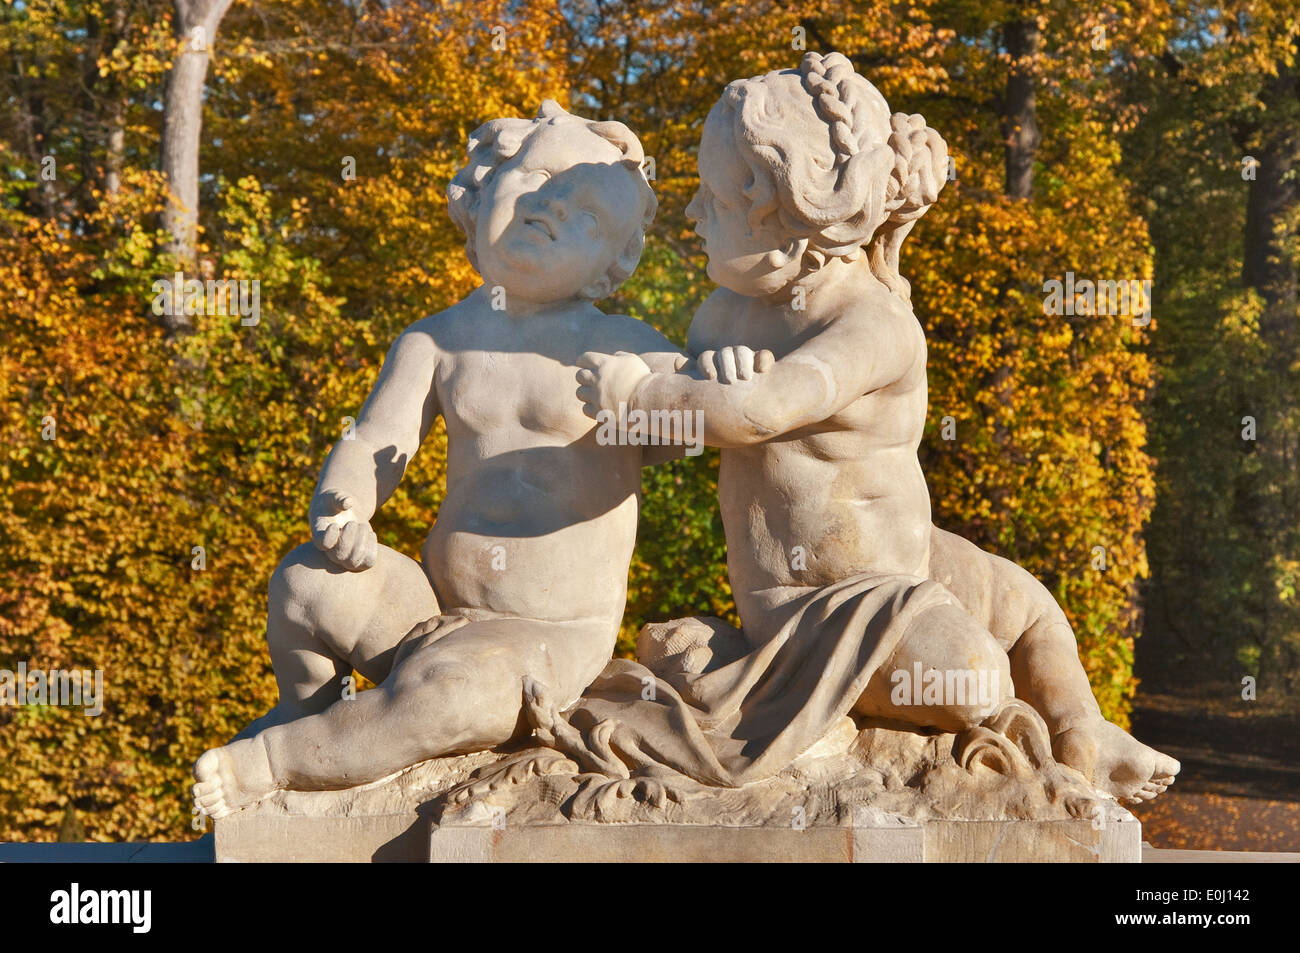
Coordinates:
[808,368]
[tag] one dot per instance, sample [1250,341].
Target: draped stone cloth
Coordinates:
[748,711]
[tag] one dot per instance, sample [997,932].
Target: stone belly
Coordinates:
[575,571]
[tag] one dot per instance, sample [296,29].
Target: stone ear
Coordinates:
[786,263]
[597,289]
[621,138]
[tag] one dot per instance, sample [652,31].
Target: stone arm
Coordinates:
[668,361]
[393,422]
[852,356]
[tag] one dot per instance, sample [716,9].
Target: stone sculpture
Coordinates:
[525,571]
[883,663]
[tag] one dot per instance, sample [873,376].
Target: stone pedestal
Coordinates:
[886,839]
[264,837]
[251,837]
[491,807]
[376,823]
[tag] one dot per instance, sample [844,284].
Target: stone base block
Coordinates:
[407,818]
[252,838]
[886,840]
[383,821]
[1117,842]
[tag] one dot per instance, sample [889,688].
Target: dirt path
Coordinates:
[1240,784]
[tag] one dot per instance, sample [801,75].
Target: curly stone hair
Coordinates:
[494,142]
[864,186]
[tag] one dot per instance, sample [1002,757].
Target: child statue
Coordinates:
[525,570]
[817,396]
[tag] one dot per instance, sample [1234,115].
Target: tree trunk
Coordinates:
[43,200]
[196,24]
[114,146]
[1268,266]
[89,125]
[1020,118]
[115,120]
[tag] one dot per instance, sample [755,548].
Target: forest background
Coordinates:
[154,469]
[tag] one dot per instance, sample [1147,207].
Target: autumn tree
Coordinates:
[140,536]
[1036,445]
[1217,154]
[194,24]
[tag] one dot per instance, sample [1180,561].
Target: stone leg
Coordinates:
[946,638]
[456,693]
[324,621]
[1031,627]
[1026,621]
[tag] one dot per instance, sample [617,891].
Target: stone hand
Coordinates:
[424,633]
[608,380]
[730,364]
[340,533]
